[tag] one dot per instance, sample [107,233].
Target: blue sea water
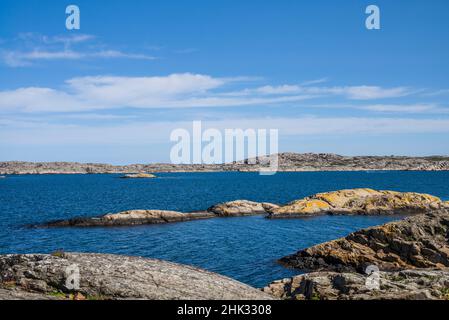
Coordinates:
[244,248]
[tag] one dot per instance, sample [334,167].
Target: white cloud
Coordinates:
[429,108]
[316,81]
[404,108]
[349,92]
[34,47]
[436,93]
[22,59]
[37,99]
[107,92]
[369,92]
[146,133]
[185,90]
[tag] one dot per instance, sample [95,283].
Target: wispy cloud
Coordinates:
[33,47]
[405,108]
[436,93]
[108,92]
[315,81]
[144,133]
[350,92]
[412,108]
[185,90]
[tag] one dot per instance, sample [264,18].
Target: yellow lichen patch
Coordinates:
[313,206]
[412,196]
[304,207]
[341,197]
[363,201]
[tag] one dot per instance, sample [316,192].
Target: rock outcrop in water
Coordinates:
[286,162]
[241,208]
[347,202]
[131,217]
[359,202]
[415,284]
[103,276]
[140,217]
[421,241]
[138,176]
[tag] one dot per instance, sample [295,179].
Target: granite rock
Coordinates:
[241,208]
[420,241]
[131,217]
[359,202]
[105,276]
[415,284]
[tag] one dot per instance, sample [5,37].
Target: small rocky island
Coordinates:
[343,202]
[359,202]
[287,162]
[141,175]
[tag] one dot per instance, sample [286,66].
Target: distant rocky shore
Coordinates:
[342,202]
[287,162]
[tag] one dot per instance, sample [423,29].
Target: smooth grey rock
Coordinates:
[130,218]
[105,276]
[241,208]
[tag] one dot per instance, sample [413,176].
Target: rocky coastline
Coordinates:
[410,257]
[342,202]
[419,241]
[416,284]
[287,162]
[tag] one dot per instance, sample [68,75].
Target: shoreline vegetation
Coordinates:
[287,162]
[412,255]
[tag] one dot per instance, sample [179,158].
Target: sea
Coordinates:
[243,248]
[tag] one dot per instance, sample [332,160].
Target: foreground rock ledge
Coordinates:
[420,241]
[359,202]
[103,276]
[403,285]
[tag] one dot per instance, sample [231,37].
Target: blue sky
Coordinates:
[113,90]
